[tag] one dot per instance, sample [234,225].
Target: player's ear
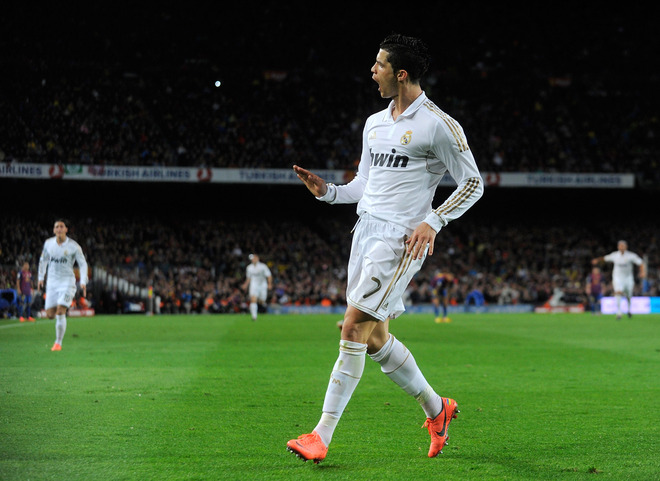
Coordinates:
[401,75]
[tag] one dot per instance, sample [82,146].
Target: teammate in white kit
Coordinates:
[57,260]
[623,279]
[260,280]
[407,148]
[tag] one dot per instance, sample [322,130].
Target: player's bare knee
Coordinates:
[379,336]
[355,331]
[350,332]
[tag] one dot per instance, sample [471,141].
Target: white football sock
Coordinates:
[618,304]
[253,310]
[398,363]
[60,328]
[344,378]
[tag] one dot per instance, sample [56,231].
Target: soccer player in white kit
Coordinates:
[260,281]
[57,259]
[623,279]
[407,149]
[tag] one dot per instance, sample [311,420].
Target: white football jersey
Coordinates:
[58,259]
[402,163]
[623,263]
[258,274]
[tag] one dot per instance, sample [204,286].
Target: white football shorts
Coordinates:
[379,269]
[624,285]
[258,290]
[59,296]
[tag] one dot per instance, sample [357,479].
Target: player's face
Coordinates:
[622,246]
[60,230]
[383,75]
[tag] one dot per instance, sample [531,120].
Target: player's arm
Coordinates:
[82,267]
[352,192]
[642,269]
[315,184]
[330,193]
[339,194]
[43,267]
[611,257]
[450,145]
[247,280]
[463,169]
[469,190]
[269,277]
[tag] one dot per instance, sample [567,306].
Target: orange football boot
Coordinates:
[308,447]
[438,427]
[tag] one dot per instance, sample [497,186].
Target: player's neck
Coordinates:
[407,95]
[60,240]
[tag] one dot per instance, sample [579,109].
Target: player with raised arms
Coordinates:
[623,279]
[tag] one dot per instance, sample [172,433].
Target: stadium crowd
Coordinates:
[566,105]
[529,98]
[199,265]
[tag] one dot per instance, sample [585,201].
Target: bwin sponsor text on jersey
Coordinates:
[388,160]
[60,260]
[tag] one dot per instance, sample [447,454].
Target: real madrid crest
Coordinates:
[406,138]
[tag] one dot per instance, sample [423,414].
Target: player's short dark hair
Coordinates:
[62,220]
[407,53]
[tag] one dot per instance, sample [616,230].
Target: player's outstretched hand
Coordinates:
[313,182]
[423,235]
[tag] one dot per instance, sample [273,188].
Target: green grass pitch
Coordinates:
[542,397]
